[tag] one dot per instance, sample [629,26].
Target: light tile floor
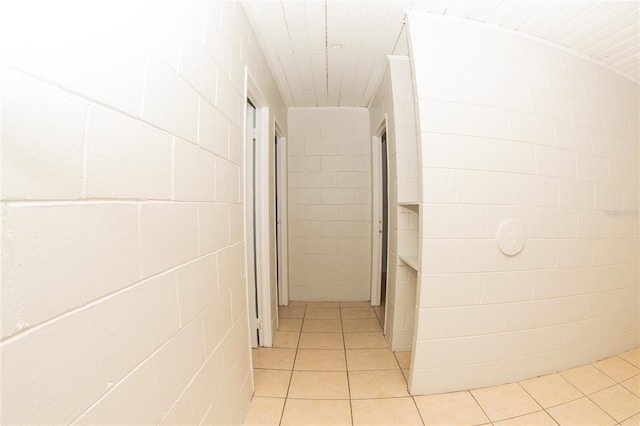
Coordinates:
[330,365]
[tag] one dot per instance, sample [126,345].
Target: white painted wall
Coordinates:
[513,127]
[394,100]
[329,163]
[124,290]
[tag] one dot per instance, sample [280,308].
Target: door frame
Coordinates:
[283,215]
[261,212]
[376,205]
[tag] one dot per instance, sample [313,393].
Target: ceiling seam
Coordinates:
[326,51]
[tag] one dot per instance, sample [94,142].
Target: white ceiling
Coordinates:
[297,37]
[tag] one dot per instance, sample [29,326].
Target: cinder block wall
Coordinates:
[329,171]
[514,127]
[393,102]
[123,272]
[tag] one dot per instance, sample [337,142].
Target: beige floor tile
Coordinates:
[286,339]
[314,305]
[377,384]
[361,325]
[371,359]
[617,402]
[389,411]
[320,360]
[580,412]
[617,368]
[271,383]
[540,418]
[363,304]
[551,390]
[365,340]
[633,421]
[633,384]
[321,341]
[289,324]
[357,313]
[273,358]
[321,326]
[632,356]
[587,379]
[316,412]
[458,408]
[323,313]
[291,311]
[404,358]
[319,385]
[505,401]
[264,411]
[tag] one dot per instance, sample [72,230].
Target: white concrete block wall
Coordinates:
[123,271]
[394,100]
[329,171]
[519,128]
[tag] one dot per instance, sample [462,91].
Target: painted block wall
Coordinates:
[329,180]
[393,101]
[123,272]
[514,127]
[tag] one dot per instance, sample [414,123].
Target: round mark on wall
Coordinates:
[511,237]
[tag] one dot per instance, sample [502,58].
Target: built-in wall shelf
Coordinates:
[410,205]
[410,259]
[408,224]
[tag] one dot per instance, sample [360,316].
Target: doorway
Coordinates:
[381,309]
[251,224]
[265,216]
[380,231]
[281,217]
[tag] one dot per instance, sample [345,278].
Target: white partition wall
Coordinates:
[393,104]
[515,128]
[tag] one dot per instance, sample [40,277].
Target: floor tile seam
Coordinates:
[346,364]
[605,388]
[324,398]
[630,417]
[362,398]
[604,409]
[609,376]
[527,414]
[582,394]
[626,360]
[269,397]
[479,405]
[295,357]
[320,349]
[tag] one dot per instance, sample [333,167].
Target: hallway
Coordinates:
[331,365]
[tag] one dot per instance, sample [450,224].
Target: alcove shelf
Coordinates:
[410,259]
[408,223]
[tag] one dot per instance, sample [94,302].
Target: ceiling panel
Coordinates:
[333,53]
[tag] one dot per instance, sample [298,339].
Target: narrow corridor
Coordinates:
[330,365]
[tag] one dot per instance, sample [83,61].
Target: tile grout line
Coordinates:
[545,408]
[479,405]
[295,356]
[346,363]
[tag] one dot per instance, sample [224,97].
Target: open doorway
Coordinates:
[251,224]
[281,216]
[380,222]
[266,216]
